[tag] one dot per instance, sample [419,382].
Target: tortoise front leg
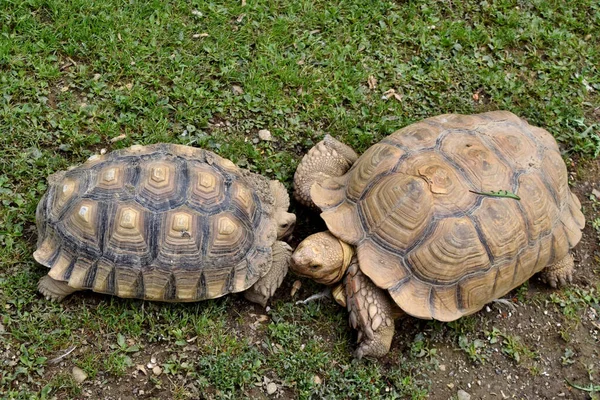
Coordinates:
[266,286]
[328,158]
[371,313]
[54,290]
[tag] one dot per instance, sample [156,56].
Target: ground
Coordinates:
[78,78]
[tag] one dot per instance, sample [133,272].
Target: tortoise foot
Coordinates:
[54,290]
[266,286]
[377,347]
[560,273]
[371,313]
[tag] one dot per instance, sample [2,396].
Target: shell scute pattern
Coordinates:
[161,222]
[441,250]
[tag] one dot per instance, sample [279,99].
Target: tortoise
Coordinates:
[163,222]
[436,220]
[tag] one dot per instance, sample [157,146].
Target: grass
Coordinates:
[74,75]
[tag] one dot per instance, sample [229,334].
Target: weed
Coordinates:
[514,347]
[567,357]
[473,349]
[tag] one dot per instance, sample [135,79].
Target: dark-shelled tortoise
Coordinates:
[439,218]
[163,222]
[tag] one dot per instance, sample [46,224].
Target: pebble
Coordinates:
[317,379]
[265,134]
[596,193]
[271,388]
[79,375]
[157,370]
[462,395]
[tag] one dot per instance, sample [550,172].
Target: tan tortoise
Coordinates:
[163,222]
[439,218]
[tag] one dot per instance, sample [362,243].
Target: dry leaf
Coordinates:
[64,88]
[372,82]
[200,35]
[317,380]
[240,18]
[119,36]
[243,3]
[118,138]
[391,93]
[129,86]
[237,90]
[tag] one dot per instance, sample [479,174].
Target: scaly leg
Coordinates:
[54,290]
[371,313]
[266,286]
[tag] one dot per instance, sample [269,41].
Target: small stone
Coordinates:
[462,395]
[450,385]
[317,379]
[79,375]
[442,367]
[157,370]
[271,388]
[265,134]
[596,193]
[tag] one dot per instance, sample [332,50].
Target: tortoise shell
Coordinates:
[419,209]
[162,222]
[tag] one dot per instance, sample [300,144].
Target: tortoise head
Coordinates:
[322,257]
[285,223]
[285,220]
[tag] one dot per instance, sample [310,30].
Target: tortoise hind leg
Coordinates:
[371,313]
[559,273]
[266,286]
[54,290]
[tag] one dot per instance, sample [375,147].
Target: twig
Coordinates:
[59,358]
